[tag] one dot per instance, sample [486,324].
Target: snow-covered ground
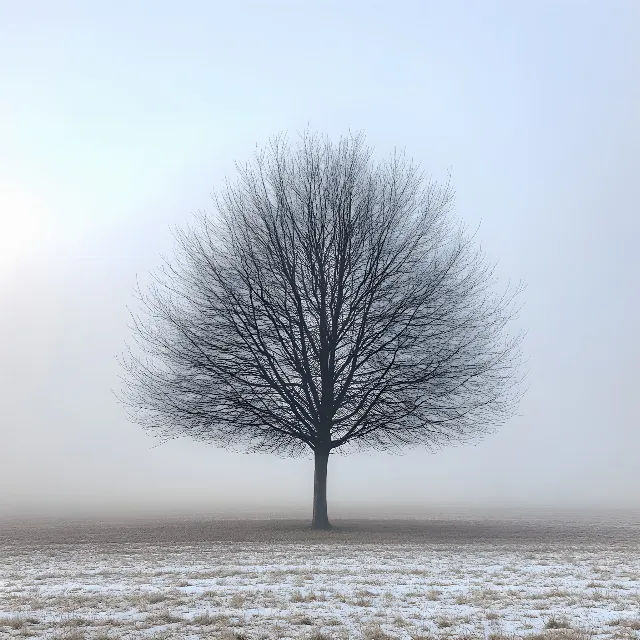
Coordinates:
[336,585]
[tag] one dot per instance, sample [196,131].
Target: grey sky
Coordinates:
[118,119]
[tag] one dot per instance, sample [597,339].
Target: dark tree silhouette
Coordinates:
[328,303]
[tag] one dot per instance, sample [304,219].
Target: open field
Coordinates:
[276,579]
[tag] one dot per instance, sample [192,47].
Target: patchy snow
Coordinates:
[258,590]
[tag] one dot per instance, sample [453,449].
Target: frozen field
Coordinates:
[365,579]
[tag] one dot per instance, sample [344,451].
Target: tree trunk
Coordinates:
[320,516]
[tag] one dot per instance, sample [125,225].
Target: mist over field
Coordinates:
[117,122]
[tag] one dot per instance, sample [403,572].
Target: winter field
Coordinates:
[365,579]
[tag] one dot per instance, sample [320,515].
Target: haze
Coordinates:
[118,120]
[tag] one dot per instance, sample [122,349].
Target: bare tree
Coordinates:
[329,303]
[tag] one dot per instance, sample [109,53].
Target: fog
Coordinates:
[117,121]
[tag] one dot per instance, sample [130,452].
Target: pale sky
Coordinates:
[118,120]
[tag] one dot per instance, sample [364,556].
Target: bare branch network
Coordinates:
[328,303]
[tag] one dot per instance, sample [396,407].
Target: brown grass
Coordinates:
[237,600]
[557,623]
[375,632]
[17,622]
[180,531]
[444,623]
[154,598]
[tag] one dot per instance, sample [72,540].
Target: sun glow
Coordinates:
[24,224]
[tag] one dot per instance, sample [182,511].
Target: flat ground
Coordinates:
[448,578]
